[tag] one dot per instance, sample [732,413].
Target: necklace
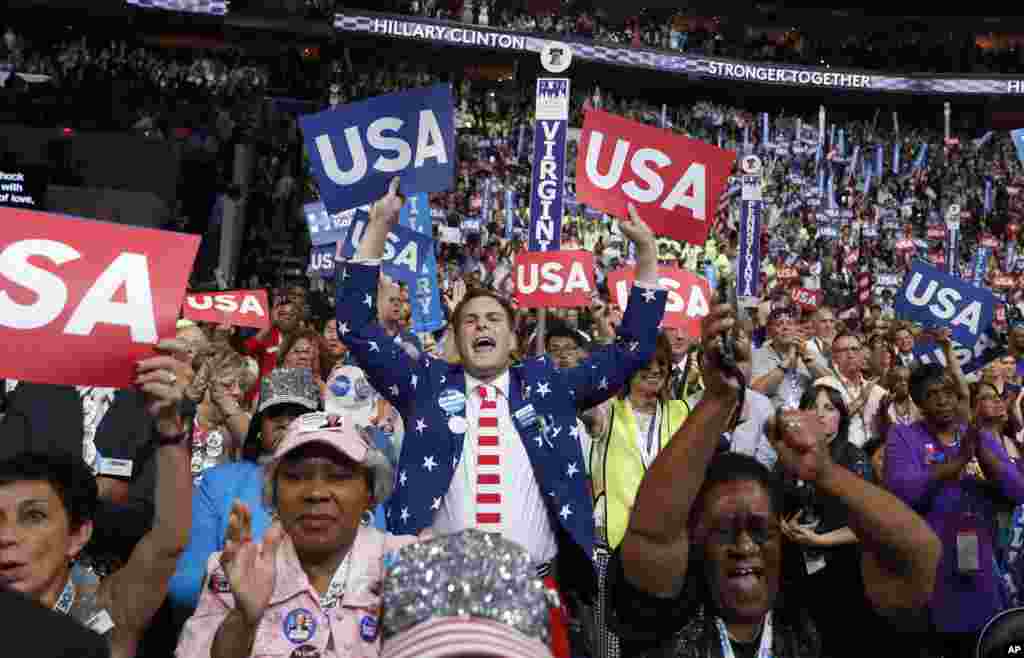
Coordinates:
[764,649]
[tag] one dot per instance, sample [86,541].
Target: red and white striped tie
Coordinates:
[488,463]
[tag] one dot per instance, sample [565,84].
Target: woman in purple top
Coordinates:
[955,476]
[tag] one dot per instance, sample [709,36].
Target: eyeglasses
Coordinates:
[561,351]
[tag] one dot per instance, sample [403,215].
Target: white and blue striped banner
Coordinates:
[211,7]
[547,190]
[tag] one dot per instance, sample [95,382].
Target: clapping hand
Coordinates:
[803,535]
[250,568]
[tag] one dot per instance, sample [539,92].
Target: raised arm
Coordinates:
[944,337]
[133,594]
[655,549]
[391,371]
[608,368]
[899,551]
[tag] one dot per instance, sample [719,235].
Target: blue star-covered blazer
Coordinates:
[544,403]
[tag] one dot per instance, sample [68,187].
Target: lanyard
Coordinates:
[650,449]
[66,598]
[339,583]
[763,651]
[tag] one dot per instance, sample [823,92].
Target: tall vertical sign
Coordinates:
[953,240]
[547,191]
[748,265]
[510,213]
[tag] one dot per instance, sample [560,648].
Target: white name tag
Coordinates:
[101,622]
[121,468]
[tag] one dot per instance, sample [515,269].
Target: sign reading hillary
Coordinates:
[688,296]
[238,308]
[933,298]
[675,182]
[415,214]
[426,305]
[405,250]
[356,149]
[82,301]
[557,279]
[547,191]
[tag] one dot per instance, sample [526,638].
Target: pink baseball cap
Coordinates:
[343,435]
[453,637]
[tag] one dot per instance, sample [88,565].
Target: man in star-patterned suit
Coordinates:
[542,499]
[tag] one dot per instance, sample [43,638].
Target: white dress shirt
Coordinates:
[524,517]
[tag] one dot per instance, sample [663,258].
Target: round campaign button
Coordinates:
[214,450]
[215,440]
[197,463]
[457,425]
[368,628]
[299,626]
[452,401]
[556,57]
[340,386]
[751,164]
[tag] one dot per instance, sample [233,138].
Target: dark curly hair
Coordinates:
[68,475]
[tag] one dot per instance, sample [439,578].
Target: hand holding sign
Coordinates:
[163,379]
[388,208]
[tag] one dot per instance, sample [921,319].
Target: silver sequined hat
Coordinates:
[470,593]
[289,386]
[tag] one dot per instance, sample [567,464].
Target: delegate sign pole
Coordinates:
[547,188]
[748,266]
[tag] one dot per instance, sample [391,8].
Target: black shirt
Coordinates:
[684,627]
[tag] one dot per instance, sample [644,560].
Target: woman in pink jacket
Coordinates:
[311,589]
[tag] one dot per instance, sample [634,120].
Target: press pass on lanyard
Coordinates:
[968,550]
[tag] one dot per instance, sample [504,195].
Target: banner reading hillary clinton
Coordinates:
[547,190]
[675,182]
[356,149]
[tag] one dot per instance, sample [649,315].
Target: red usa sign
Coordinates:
[688,296]
[936,233]
[675,182]
[808,300]
[554,279]
[82,301]
[239,308]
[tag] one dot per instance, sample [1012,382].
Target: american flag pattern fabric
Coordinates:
[488,463]
[543,403]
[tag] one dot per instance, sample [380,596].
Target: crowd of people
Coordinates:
[912,47]
[593,485]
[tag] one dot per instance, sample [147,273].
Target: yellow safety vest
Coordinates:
[617,466]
